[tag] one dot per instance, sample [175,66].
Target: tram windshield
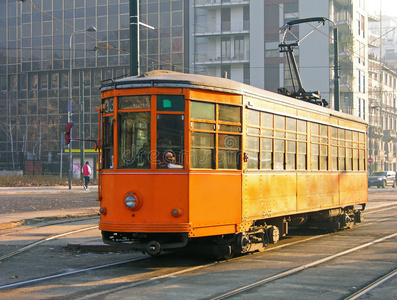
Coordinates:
[134,140]
[139,145]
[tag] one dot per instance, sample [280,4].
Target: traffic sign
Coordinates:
[370,160]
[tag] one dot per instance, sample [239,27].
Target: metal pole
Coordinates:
[70,110]
[62,146]
[134,38]
[82,134]
[70,114]
[336,71]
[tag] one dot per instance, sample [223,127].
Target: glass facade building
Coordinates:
[34,67]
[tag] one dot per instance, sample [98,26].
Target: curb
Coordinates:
[50,218]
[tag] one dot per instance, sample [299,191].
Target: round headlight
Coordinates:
[130,201]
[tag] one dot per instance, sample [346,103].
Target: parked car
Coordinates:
[382,179]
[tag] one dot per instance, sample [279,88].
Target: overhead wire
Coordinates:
[328,36]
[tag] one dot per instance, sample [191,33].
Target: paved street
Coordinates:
[330,266]
[17,204]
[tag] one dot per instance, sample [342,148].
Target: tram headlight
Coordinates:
[133,200]
[130,201]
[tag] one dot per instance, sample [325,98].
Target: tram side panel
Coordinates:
[268,195]
[271,195]
[353,188]
[214,203]
[317,191]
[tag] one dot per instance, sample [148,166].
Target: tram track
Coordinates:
[298,269]
[195,268]
[41,241]
[376,283]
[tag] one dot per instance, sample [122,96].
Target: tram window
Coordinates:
[254,131]
[315,157]
[203,126]
[315,130]
[107,142]
[341,136]
[253,118]
[266,154]
[203,150]
[291,124]
[355,139]
[348,138]
[203,111]
[229,128]
[279,125]
[361,160]
[323,134]
[355,159]
[267,132]
[279,155]
[361,139]
[134,140]
[170,139]
[228,113]
[334,133]
[170,103]
[253,152]
[138,101]
[342,165]
[229,151]
[323,157]
[302,154]
[349,159]
[334,165]
[291,155]
[279,122]
[302,127]
[267,120]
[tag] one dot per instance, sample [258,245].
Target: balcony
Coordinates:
[373,41]
[346,83]
[375,131]
[389,135]
[373,17]
[212,3]
[218,28]
[210,58]
[343,19]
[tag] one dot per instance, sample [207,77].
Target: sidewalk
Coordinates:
[9,220]
[46,189]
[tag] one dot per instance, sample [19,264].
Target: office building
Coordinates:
[34,69]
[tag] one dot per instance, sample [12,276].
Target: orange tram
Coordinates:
[222,167]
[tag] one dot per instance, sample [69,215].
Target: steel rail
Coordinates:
[372,285]
[53,237]
[40,279]
[300,268]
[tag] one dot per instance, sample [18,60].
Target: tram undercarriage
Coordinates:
[256,238]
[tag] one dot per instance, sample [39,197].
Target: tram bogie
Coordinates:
[190,161]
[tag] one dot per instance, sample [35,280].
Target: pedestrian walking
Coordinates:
[86,170]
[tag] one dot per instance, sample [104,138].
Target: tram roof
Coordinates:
[164,78]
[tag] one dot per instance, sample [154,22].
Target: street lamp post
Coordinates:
[89,29]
